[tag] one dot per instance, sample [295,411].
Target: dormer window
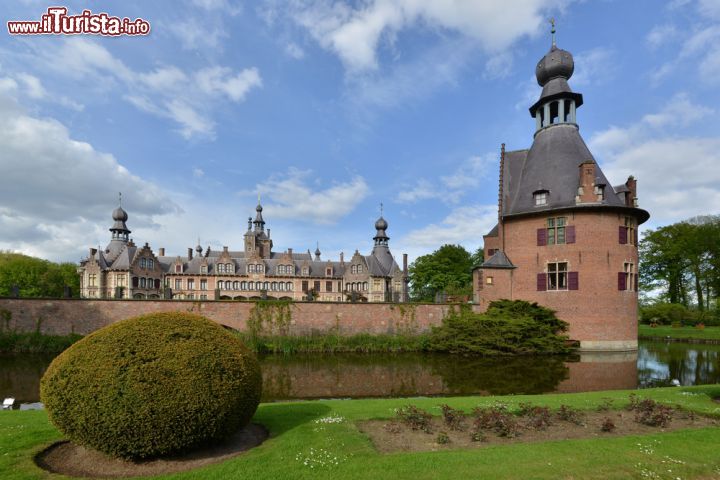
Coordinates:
[540,197]
[178,268]
[150,263]
[142,263]
[600,192]
[220,268]
[306,271]
[328,271]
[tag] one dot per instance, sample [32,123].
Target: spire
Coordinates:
[259,222]
[552,32]
[198,248]
[119,229]
[317,251]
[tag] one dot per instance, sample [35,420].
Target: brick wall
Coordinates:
[59,317]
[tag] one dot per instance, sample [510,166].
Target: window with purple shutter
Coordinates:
[570,234]
[573,281]
[622,281]
[541,237]
[623,235]
[541,282]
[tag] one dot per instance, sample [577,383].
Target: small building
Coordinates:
[122,270]
[566,238]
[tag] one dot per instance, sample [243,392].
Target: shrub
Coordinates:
[538,418]
[506,328]
[606,405]
[152,385]
[498,419]
[454,419]
[415,418]
[674,314]
[442,438]
[649,412]
[607,425]
[570,414]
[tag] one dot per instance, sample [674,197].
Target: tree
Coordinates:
[683,261]
[36,277]
[447,269]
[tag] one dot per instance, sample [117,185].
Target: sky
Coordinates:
[326,109]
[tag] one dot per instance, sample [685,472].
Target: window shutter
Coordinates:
[622,281]
[541,237]
[541,282]
[636,282]
[573,281]
[570,234]
[623,235]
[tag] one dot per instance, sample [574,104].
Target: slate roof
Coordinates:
[552,164]
[498,260]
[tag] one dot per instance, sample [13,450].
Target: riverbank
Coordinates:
[19,342]
[709,335]
[320,439]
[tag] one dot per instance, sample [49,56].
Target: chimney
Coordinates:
[93,251]
[189,253]
[161,252]
[290,252]
[631,198]
[342,257]
[268,233]
[405,265]
[225,249]
[586,187]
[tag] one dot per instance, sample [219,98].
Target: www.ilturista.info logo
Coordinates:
[57,22]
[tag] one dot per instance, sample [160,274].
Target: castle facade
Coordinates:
[566,238]
[124,270]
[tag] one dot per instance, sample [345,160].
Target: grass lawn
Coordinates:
[295,436]
[708,333]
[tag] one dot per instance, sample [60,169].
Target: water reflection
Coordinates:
[356,376]
[660,363]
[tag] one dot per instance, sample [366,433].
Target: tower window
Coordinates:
[557,276]
[599,191]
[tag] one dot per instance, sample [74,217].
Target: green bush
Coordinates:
[152,385]
[662,313]
[506,328]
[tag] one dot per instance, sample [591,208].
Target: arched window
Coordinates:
[266,286]
[289,286]
[236,285]
[273,286]
[243,285]
[142,283]
[221,285]
[281,286]
[365,286]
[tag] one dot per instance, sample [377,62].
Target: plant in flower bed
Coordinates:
[454,419]
[152,385]
[570,414]
[538,418]
[608,425]
[498,419]
[415,418]
[649,412]
[442,438]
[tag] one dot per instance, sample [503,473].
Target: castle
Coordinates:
[124,270]
[565,237]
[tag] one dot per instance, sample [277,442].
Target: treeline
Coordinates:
[448,270]
[682,262]
[36,277]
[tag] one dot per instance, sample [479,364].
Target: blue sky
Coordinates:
[327,108]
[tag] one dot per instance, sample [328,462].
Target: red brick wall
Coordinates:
[85,316]
[597,312]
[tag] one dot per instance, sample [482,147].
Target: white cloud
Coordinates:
[677,175]
[187,98]
[194,35]
[710,8]
[32,85]
[198,172]
[594,67]
[220,80]
[660,35]
[451,188]
[294,196]
[464,225]
[294,51]
[355,34]
[47,180]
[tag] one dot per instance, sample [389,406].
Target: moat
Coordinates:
[400,375]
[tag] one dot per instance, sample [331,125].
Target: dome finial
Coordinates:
[120,199]
[552,31]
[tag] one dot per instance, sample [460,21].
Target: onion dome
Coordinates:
[557,63]
[381,224]
[119,215]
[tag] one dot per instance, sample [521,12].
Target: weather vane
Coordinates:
[381,209]
[120,198]
[552,30]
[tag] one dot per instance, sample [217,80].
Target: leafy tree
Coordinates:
[36,277]
[683,261]
[447,269]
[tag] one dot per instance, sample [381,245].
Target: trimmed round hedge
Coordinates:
[152,385]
